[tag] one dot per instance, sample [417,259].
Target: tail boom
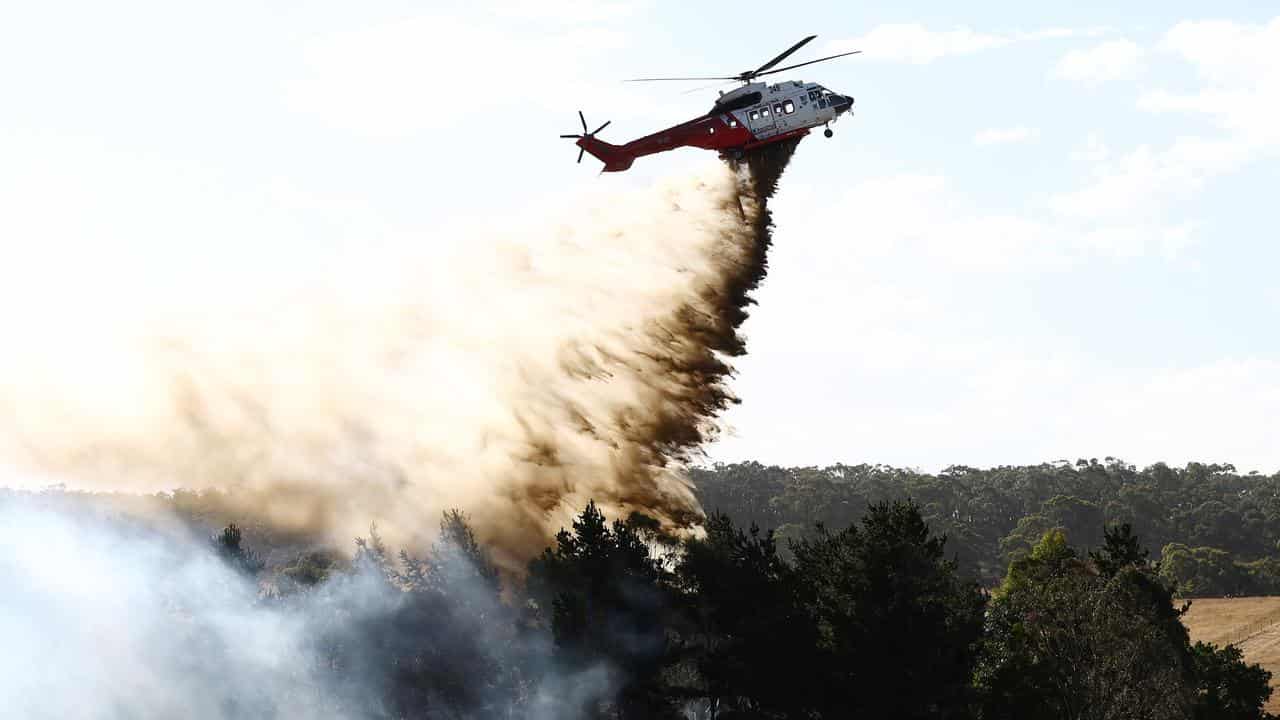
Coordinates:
[710,132]
[616,158]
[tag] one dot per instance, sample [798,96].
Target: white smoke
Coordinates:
[103,623]
[104,619]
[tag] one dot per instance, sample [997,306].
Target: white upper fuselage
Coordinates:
[782,107]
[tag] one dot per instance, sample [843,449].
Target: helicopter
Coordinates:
[743,119]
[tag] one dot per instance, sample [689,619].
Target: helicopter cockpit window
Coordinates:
[822,102]
[813,94]
[788,107]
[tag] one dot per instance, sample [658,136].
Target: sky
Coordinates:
[1045,233]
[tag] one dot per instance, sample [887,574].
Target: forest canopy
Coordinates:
[1215,530]
[863,606]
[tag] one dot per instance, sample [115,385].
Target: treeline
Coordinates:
[872,619]
[616,619]
[1214,530]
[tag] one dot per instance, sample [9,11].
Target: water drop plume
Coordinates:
[515,375]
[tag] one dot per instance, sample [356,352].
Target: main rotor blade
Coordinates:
[580,151]
[700,88]
[583,118]
[605,125]
[783,56]
[571,136]
[680,78]
[829,57]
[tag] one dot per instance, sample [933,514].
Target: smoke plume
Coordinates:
[108,618]
[516,376]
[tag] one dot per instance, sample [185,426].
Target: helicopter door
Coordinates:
[762,121]
[782,115]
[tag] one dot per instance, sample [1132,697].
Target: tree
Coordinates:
[459,632]
[227,544]
[1120,549]
[897,627]
[1227,687]
[754,641]
[431,634]
[1203,571]
[1066,641]
[997,515]
[607,602]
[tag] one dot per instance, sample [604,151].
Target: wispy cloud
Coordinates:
[916,44]
[361,79]
[1240,66]
[1111,60]
[1005,136]
[1146,179]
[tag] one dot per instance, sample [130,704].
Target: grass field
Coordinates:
[1250,623]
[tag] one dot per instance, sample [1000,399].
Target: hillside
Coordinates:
[1251,623]
[1216,528]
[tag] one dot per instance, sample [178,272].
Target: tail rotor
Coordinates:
[585,134]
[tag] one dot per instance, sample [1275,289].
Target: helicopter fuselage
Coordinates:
[741,120]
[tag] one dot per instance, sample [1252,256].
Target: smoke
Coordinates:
[107,619]
[515,376]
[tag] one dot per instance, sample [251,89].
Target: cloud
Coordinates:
[924,225]
[929,216]
[921,290]
[1111,60]
[1005,136]
[994,397]
[396,78]
[1146,179]
[1221,410]
[916,44]
[568,11]
[919,45]
[1240,67]
[1093,152]
[908,324]
[921,215]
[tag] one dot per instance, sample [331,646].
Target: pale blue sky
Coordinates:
[1047,232]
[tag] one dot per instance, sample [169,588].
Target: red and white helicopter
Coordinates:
[742,120]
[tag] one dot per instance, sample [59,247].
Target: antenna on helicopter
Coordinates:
[749,75]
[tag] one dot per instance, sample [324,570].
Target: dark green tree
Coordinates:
[1064,640]
[897,627]
[996,515]
[754,642]
[1120,549]
[1103,638]
[436,640]
[1227,687]
[228,544]
[607,602]
[1203,572]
